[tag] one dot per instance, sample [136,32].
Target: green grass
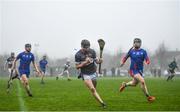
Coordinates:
[73,95]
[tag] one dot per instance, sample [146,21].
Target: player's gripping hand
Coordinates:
[99,60]
[38,73]
[88,61]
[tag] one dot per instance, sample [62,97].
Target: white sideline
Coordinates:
[22,106]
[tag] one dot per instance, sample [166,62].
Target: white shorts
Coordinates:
[66,71]
[9,70]
[90,77]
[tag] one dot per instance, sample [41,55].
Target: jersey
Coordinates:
[173,65]
[25,61]
[43,63]
[66,66]
[137,56]
[81,56]
[9,61]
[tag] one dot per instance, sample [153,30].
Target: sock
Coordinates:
[147,94]
[128,84]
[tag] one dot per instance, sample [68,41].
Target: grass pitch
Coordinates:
[63,95]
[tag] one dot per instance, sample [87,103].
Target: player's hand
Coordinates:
[100,60]
[38,72]
[88,61]
[12,68]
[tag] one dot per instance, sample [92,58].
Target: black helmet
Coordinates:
[27,45]
[138,40]
[12,53]
[44,56]
[85,43]
[137,43]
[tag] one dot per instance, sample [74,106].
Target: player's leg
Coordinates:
[24,81]
[143,84]
[68,75]
[9,83]
[169,77]
[172,75]
[59,75]
[144,87]
[42,77]
[16,75]
[10,71]
[89,84]
[94,83]
[132,83]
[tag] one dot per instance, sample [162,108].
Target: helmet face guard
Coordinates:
[85,44]
[12,54]
[137,43]
[68,62]
[44,57]
[28,47]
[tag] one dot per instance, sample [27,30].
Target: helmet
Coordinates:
[67,61]
[27,45]
[12,54]
[44,57]
[137,43]
[85,43]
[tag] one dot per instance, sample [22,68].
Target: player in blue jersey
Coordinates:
[25,58]
[137,56]
[43,65]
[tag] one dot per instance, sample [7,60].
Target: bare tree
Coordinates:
[160,55]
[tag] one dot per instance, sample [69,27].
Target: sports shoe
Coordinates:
[122,87]
[104,105]
[151,98]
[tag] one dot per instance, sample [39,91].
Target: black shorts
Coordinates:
[171,71]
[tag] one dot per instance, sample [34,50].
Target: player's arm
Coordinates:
[79,64]
[14,63]
[124,59]
[47,65]
[36,67]
[147,60]
[96,59]
[82,63]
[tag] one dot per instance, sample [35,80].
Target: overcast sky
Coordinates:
[58,26]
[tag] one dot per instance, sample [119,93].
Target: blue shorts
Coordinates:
[133,72]
[43,70]
[26,72]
